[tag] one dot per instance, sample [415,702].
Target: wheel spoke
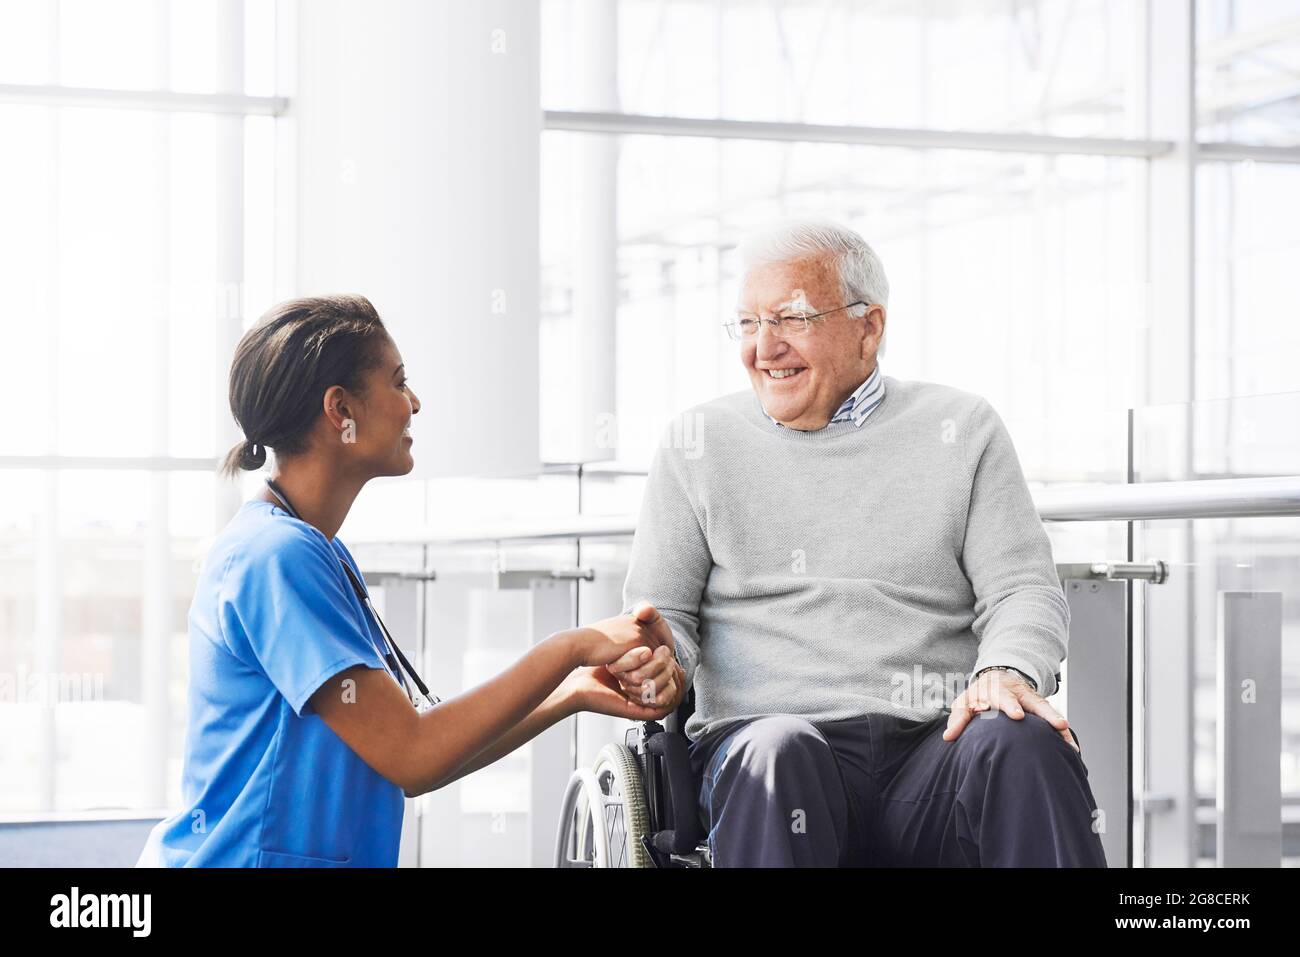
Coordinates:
[617,831]
[614,823]
[605,814]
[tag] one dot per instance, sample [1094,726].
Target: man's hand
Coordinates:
[659,681]
[1007,692]
[596,690]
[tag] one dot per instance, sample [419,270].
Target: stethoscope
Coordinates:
[363,596]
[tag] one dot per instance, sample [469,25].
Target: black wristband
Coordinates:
[1031,682]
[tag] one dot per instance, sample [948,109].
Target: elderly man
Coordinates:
[850,569]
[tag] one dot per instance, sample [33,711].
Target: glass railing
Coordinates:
[1178,675]
[1219,671]
[484,598]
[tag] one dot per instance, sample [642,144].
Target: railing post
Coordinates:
[1167,726]
[1248,796]
[551,752]
[1097,691]
[551,757]
[398,600]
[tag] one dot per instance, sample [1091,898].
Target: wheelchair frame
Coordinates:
[651,772]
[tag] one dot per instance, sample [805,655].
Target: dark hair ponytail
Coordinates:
[246,456]
[284,364]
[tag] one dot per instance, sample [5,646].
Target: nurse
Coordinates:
[304,731]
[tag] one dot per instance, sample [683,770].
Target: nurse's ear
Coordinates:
[338,405]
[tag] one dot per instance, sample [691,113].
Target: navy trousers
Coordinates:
[880,791]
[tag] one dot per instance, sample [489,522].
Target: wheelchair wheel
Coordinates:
[603,817]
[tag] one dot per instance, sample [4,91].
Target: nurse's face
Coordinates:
[380,442]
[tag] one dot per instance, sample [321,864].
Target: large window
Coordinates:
[997,262]
[137,233]
[1018,195]
[1052,66]
[1248,56]
[1022,169]
[1083,208]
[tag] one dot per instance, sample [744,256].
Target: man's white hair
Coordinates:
[862,276]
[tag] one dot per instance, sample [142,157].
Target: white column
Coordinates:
[417,137]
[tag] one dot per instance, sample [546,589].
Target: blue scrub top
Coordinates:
[266,782]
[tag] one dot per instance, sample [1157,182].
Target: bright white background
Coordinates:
[1019,272]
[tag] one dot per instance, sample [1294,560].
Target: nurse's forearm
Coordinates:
[538,720]
[452,734]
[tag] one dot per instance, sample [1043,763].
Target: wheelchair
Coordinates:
[636,806]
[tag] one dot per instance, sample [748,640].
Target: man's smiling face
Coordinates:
[802,381]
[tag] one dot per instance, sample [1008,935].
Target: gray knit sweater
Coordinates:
[846,571]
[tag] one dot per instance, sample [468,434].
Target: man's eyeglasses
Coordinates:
[784,327]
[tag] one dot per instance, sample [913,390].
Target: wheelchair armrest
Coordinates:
[676,722]
[684,832]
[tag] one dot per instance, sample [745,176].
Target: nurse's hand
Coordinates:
[606,641]
[658,680]
[595,689]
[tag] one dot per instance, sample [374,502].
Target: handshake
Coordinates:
[627,667]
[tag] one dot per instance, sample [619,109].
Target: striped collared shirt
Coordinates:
[861,403]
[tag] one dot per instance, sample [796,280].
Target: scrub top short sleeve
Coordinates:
[266,782]
[290,615]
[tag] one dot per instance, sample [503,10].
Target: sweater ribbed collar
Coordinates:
[853,411]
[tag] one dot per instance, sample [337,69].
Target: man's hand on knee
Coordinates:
[1007,692]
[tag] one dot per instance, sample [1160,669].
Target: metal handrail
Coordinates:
[1150,501]
[1153,501]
